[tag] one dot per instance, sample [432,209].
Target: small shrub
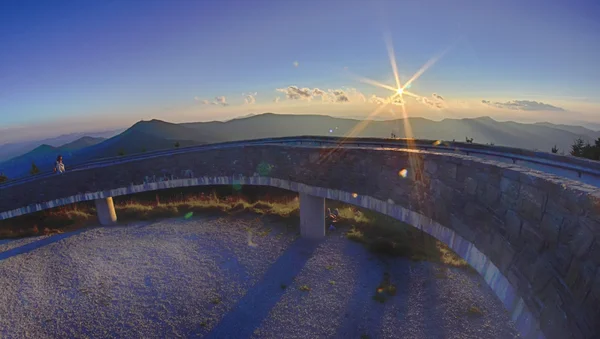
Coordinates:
[356,235]
[304,288]
[474,310]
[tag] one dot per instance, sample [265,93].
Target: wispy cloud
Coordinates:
[250,98]
[436,101]
[276,100]
[218,101]
[524,105]
[221,100]
[329,95]
[378,100]
[296,93]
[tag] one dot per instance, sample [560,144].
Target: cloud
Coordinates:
[330,95]
[295,93]
[276,100]
[355,95]
[398,101]
[523,105]
[250,98]
[317,92]
[395,100]
[436,101]
[204,101]
[339,95]
[221,101]
[377,100]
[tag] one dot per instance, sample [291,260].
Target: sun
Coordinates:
[400,90]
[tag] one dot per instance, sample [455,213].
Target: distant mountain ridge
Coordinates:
[46,155]
[156,135]
[11,150]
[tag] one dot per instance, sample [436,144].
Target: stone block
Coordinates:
[510,188]
[431,166]
[579,278]
[470,185]
[561,259]
[513,224]
[540,273]
[506,255]
[591,224]
[581,241]
[594,253]
[532,202]
[550,228]
[489,195]
[554,323]
[530,237]
[591,312]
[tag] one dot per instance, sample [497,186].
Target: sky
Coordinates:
[69,66]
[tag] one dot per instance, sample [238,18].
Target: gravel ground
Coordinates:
[224,277]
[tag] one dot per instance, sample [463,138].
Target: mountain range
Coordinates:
[11,150]
[156,134]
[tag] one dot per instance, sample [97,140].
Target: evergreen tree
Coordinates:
[177,144]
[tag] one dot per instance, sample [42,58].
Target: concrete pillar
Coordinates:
[312,216]
[106,211]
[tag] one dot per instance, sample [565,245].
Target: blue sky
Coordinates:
[105,63]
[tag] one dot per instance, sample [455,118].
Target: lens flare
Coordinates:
[403,172]
[354,195]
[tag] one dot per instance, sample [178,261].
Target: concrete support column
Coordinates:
[106,211]
[312,216]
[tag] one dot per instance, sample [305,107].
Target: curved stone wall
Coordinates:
[534,237]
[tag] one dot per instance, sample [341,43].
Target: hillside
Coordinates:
[156,135]
[44,156]
[483,130]
[11,150]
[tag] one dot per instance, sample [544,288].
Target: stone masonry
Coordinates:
[541,232]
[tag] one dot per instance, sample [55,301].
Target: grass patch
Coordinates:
[304,288]
[381,234]
[474,311]
[384,235]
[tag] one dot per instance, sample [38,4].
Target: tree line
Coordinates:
[582,149]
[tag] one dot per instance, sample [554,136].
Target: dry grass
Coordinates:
[381,234]
[387,236]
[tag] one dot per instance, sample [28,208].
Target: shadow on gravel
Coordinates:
[363,311]
[37,244]
[254,307]
[434,316]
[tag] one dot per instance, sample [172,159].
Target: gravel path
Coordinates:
[223,277]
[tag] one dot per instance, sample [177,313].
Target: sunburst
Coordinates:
[398,92]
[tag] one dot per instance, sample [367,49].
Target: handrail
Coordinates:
[578,165]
